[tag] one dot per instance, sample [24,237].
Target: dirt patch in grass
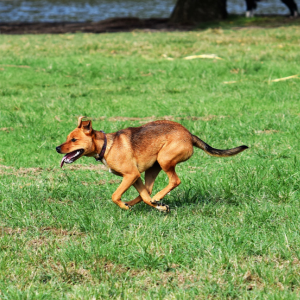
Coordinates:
[168,118]
[38,242]
[102,182]
[110,267]
[8,170]
[65,272]
[50,236]
[24,171]
[254,281]
[7,129]
[266,131]
[204,118]
[52,230]
[5,167]
[90,167]
[33,172]
[150,277]
[145,120]
[61,232]
[72,273]
[141,120]
[11,231]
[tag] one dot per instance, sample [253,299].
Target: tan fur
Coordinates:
[150,148]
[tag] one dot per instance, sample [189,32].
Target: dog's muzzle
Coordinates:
[58,149]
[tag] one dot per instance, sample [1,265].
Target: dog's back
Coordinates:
[147,141]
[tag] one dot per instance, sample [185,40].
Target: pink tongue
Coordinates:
[63,161]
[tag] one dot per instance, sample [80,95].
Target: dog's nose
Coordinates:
[58,149]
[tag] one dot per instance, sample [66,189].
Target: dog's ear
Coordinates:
[86,126]
[80,121]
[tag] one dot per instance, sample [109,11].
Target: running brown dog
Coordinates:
[155,146]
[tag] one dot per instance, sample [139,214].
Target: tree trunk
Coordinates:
[196,11]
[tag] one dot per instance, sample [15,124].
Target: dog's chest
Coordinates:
[110,169]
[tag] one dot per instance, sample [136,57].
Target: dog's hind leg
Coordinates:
[168,158]
[174,181]
[150,176]
[141,188]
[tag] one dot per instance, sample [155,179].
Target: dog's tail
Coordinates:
[217,152]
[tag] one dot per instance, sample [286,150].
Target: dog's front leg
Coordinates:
[127,182]
[150,176]
[146,197]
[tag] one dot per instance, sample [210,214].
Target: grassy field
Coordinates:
[233,229]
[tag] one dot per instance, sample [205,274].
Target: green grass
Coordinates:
[233,230]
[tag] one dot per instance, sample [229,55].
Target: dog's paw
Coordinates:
[163,207]
[153,201]
[128,207]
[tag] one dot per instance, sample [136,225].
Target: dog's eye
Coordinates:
[73,140]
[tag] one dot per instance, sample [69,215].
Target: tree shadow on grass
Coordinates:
[200,197]
[196,196]
[260,21]
[153,24]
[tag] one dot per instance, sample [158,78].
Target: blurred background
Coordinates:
[97,10]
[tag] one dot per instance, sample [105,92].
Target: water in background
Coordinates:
[96,10]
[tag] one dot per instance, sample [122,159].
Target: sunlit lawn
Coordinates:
[233,230]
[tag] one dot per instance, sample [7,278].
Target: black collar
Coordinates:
[101,155]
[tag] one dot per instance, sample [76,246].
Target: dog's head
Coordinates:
[79,142]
